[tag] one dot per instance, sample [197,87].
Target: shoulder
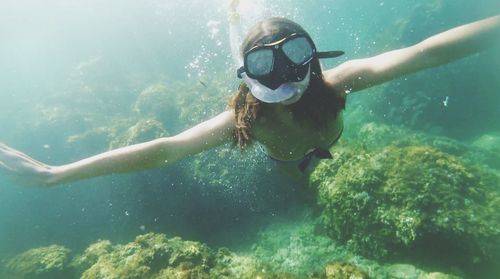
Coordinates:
[335,93]
[348,76]
[219,125]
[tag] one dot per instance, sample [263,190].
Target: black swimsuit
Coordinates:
[320,153]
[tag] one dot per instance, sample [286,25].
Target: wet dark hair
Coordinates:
[318,100]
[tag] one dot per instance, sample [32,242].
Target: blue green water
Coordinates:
[71,74]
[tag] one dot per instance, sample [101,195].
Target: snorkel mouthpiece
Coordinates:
[289,91]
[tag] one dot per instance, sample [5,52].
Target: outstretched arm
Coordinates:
[152,154]
[439,49]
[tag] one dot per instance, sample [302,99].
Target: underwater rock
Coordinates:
[40,263]
[199,102]
[143,130]
[91,255]
[403,271]
[411,200]
[230,264]
[99,138]
[438,275]
[343,270]
[144,257]
[484,150]
[374,135]
[488,142]
[487,150]
[155,256]
[117,133]
[296,247]
[158,102]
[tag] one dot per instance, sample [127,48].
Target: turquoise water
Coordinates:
[74,77]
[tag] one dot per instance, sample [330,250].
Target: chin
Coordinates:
[291,100]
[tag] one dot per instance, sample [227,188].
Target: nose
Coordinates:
[285,70]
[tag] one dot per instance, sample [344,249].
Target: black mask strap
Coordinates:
[329,54]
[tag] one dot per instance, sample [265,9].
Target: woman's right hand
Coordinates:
[23,169]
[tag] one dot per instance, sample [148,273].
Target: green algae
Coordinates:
[143,258]
[299,247]
[306,254]
[408,198]
[40,263]
[143,130]
[342,270]
[155,256]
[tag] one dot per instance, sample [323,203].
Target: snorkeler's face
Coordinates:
[281,61]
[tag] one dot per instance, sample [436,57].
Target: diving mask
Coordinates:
[274,70]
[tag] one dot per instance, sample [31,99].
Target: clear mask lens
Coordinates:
[260,62]
[298,50]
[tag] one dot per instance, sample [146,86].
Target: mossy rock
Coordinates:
[343,270]
[155,256]
[155,100]
[410,200]
[158,102]
[143,130]
[41,263]
[438,275]
[91,255]
[145,257]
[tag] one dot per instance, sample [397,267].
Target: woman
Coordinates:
[285,102]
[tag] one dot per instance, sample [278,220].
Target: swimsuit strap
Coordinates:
[320,153]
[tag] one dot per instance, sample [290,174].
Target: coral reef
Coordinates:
[409,199]
[40,263]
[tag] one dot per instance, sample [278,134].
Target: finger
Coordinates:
[21,181]
[3,145]
[7,153]
[7,157]
[11,176]
[16,152]
[3,148]
[26,180]
[4,168]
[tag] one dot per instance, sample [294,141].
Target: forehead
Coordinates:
[268,32]
[269,39]
[274,38]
